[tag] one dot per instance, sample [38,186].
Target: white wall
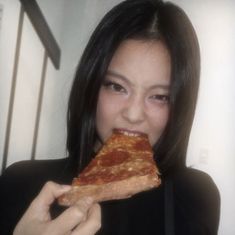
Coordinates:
[27,86]
[211,145]
[7,42]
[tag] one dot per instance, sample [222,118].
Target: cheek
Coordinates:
[158,113]
[106,106]
[106,113]
[163,119]
[158,121]
[102,111]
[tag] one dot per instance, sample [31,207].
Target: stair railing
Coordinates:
[51,50]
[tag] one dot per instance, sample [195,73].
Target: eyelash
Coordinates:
[120,89]
[162,98]
[114,86]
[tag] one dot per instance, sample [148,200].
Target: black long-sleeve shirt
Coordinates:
[195,196]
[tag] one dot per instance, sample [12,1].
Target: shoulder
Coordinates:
[34,170]
[194,181]
[31,174]
[34,166]
[197,200]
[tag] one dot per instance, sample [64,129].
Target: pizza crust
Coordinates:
[111,191]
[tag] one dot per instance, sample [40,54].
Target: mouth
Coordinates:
[129,132]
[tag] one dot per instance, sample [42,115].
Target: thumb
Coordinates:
[48,194]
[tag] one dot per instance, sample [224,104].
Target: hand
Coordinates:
[84,218]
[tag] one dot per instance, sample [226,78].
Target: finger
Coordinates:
[49,193]
[92,224]
[73,216]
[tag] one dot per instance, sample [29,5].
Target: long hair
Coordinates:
[140,20]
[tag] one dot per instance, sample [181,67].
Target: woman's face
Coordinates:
[135,92]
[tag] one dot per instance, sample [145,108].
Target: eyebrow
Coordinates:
[122,77]
[117,75]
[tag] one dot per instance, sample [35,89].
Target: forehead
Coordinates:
[142,61]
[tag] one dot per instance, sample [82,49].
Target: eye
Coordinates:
[114,86]
[161,98]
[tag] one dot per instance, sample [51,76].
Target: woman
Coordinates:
[139,71]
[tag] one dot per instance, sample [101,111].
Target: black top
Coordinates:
[195,196]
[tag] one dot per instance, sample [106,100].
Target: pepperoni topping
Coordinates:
[124,155]
[142,145]
[115,157]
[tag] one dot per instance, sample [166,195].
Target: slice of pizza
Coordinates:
[123,167]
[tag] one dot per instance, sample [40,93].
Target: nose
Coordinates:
[134,110]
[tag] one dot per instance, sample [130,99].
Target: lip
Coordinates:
[129,132]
